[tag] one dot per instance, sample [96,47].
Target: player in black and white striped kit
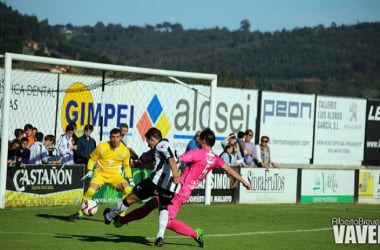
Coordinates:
[164,182]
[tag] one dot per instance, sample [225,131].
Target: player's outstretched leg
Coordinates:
[87,196]
[109,214]
[107,221]
[199,239]
[76,216]
[126,191]
[137,213]
[159,242]
[117,221]
[181,227]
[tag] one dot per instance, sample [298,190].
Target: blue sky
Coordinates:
[263,15]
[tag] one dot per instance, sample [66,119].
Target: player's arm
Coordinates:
[180,159]
[128,175]
[236,175]
[127,168]
[186,157]
[174,168]
[127,171]
[126,164]
[94,156]
[146,160]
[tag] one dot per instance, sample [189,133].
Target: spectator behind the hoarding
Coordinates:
[263,154]
[65,146]
[38,152]
[85,145]
[28,133]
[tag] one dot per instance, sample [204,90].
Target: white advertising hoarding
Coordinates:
[269,185]
[176,109]
[320,186]
[236,111]
[339,131]
[288,121]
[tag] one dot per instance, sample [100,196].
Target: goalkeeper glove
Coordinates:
[88,175]
[131,183]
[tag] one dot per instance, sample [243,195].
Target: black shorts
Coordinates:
[147,188]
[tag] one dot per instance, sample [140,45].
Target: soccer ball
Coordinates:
[89,207]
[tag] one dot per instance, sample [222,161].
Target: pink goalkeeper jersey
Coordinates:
[199,163]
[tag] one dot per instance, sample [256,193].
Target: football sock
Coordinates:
[181,227]
[118,208]
[163,218]
[89,193]
[126,191]
[87,196]
[136,214]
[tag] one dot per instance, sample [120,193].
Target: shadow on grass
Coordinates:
[115,238]
[63,217]
[108,238]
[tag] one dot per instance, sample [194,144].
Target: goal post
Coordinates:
[46,93]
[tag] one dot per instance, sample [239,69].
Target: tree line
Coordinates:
[335,60]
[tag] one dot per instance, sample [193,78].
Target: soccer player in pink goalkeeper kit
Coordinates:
[199,163]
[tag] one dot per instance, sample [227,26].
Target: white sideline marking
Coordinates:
[207,235]
[273,232]
[253,233]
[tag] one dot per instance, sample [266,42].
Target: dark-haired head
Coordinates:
[208,136]
[153,132]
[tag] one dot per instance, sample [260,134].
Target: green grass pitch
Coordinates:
[225,226]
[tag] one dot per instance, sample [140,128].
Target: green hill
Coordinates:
[335,60]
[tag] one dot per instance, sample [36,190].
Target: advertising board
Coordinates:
[339,131]
[269,185]
[323,186]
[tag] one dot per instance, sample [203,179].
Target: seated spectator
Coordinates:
[231,139]
[34,132]
[229,158]
[240,141]
[263,154]
[195,142]
[24,152]
[228,155]
[53,155]
[19,133]
[38,152]
[28,133]
[86,144]
[13,152]
[250,153]
[65,146]
[74,137]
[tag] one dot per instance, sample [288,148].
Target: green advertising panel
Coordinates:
[327,186]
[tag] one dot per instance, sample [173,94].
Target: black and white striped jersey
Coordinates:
[162,173]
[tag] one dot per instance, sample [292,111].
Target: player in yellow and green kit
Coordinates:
[108,158]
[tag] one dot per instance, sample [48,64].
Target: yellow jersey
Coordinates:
[109,160]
